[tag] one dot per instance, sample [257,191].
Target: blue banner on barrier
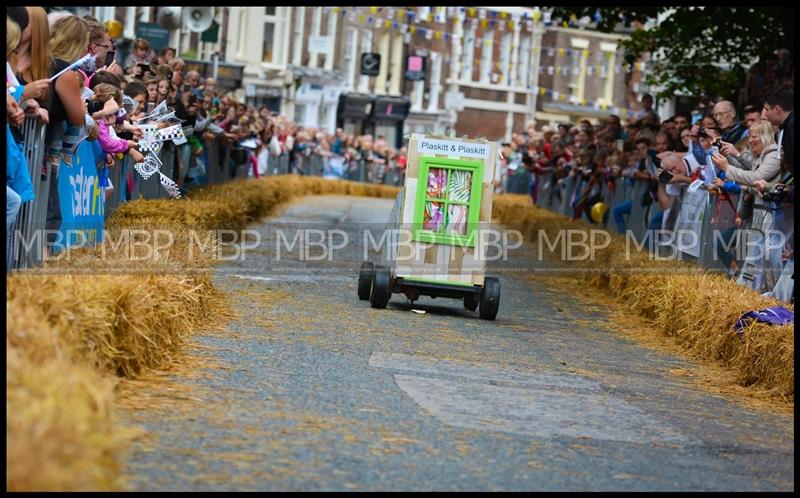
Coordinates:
[82,201]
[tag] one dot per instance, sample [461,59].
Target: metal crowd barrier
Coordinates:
[32,215]
[717,218]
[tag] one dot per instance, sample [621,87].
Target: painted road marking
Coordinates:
[492,397]
[485,373]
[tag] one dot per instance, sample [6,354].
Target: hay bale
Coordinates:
[61,429]
[684,301]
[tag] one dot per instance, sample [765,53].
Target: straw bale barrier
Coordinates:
[694,306]
[70,335]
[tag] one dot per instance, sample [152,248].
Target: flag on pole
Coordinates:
[72,66]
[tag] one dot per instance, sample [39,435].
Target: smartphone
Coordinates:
[665,176]
[621,145]
[109,58]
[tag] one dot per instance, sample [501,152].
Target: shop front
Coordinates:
[376,115]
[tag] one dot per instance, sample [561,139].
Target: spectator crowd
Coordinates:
[747,154]
[744,149]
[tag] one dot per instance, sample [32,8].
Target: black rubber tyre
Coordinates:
[490,298]
[365,280]
[381,287]
[471,302]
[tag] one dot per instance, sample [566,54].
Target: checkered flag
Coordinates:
[172,133]
[170,186]
[148,167]
[180,137]
[166,117]
[160,109]
[149,145]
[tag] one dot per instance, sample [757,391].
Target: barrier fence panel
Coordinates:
[394,177]
[32,215]
[544,196]
[278,165]
[316,166]
[567,189]
[637,220]
[213,166]
[116,178]
[721,218]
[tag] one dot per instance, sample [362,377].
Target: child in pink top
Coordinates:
[107,138]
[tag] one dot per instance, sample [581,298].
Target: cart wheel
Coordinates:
[365,280]
[471,302]
[381,287]
[490,298]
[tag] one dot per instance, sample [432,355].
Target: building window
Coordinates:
[604,74]
[299,19]
[366,46]
[608,61]
[351,41]
[524,61]
[300,113]
[487,46]
[242,33]
[268,49]
[577,70]
[469,54]
[574,72]
[267,53]
[505,57]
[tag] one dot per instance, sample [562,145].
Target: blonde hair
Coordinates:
[69,38]
[764,130]
[40,39]
[141,44]
[12,35]
[177,64]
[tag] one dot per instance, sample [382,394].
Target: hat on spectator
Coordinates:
[19,15]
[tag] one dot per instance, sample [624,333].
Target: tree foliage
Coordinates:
[705,50]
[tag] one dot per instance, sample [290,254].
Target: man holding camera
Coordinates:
[729,127]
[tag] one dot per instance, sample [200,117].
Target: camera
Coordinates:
[95,106]
[527,160]
[717,143]
[780,195]
[702,133]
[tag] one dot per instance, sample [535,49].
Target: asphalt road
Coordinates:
[311,389]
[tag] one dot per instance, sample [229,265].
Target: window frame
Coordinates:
[280,32]
[269,20]
[475,168]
